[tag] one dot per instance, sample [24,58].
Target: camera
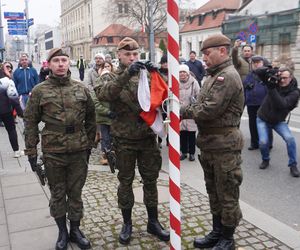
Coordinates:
[268,75]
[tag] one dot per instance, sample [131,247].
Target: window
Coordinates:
[284,43]
[49,45]
[110,39]
[200,45]
[120,8]
[48,35]
[201,20]
[126,9]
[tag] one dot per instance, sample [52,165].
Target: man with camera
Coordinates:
[282,98]
[134,141]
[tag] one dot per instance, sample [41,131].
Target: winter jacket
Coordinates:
[102,110]
[254,90]
[92,77]
[197,68]
[25,79]
[9,98]
[241,64]
[279,102]
[188,93]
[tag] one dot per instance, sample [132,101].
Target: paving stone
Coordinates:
[103,220]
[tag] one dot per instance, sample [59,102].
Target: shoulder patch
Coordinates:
[220,78]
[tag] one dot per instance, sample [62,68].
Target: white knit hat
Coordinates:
[100,55]
[184,67]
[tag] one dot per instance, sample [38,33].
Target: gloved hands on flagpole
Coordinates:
[135,67]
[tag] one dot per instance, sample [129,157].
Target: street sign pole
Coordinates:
[27,28]
[1,35]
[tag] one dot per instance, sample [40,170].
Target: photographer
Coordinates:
[282,98]
[255,92]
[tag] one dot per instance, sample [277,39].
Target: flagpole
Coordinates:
[174,107]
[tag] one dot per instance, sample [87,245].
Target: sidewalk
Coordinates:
[25,222]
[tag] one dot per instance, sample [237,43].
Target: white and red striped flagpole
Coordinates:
[174,145]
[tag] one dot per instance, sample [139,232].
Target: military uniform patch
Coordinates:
[220,79]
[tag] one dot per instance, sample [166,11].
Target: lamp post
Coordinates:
[1,34]
[151,38]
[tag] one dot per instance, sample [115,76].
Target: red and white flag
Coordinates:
[151,101]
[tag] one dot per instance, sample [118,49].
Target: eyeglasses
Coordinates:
[8,67]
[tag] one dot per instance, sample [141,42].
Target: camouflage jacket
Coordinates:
[120,89]
[68,111]
[218,110]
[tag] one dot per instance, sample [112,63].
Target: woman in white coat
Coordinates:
[188,92]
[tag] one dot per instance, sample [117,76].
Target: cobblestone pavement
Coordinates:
[102,221]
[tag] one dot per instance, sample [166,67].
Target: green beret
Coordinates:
[56,52]
[128,44]
[215,41]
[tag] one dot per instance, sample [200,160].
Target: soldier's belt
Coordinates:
[217,131]
[69,129]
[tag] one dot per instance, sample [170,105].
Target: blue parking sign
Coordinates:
[252,38]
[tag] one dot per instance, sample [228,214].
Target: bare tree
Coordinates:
[136,13]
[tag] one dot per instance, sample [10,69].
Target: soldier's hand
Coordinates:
[150,66]
[237,43]
[135,68]
[33,161]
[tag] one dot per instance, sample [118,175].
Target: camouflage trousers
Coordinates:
[66,174]
[146,155]
[223,176]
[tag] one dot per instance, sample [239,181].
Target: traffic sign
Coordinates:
[17,32]
[253,28]
[252,39]
[16,26]
[14,15]
[242,35]
[20,22]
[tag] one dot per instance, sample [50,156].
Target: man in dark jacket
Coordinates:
[196,67]
[281,99]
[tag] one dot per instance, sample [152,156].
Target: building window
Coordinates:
[110,39]
[120,8]
[200,45]
[49,45]
[126,8]
[48,35]
[284,43]
[201,20]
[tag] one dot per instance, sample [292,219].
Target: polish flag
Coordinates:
[151,100]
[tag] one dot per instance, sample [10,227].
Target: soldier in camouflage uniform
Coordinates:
[134,142]
[217,113]
[67,109]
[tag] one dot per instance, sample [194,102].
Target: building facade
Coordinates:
[77,28]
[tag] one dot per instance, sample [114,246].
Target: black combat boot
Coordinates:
[77,236]
[125,234]
[226,242]
[213,237]
[154,227]
[63,236]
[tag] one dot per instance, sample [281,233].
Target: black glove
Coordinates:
[88,154]
[135,68]
[111,115]
[33,161]
[150,66]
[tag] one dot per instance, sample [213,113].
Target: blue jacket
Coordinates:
[197,68]
[254,89]
[25,79]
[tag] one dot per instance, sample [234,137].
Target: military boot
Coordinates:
[213,237]
[125,234]
[154,227]
[63,236]
[77,236]
[226,242]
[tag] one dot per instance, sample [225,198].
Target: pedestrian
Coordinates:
[44,71]
[67,110]
[25,78]
[133,141]
[196,67]
[81,66]
[108,58]
[281,99]
[242,62]
[104,114]
[255,91]
[188,92]
[9,100]
[93,72]
[217,113]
